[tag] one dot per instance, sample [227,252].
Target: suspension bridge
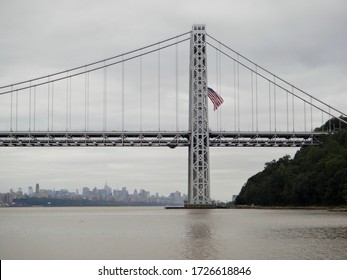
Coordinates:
[158,96]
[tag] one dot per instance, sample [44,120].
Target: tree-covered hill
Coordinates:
[316,176]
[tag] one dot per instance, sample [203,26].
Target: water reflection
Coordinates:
[199,240]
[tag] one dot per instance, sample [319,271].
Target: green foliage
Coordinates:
[317,175]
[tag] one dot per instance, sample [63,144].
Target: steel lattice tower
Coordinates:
[198,165]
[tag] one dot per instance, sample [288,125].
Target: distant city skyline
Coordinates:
[35,188]
[106,193]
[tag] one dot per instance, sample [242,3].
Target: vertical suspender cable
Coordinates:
[30,107]
[311,115]
[141,92]
[122,94]
[87,119]
[11,113]
[256,97]
[105,96]
[234,95]
[103,101]
[176,52]
[67,102]
[293,108]
[217,85]
[52,110]
[16,110]
[70,106]
[48,103]
[238,93]
[304,116]
[159,87]
[275,104]
[270,105]
[220,87]
[85,99]
[34,108]
[252,98]
[287,111]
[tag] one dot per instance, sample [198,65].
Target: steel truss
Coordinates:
[93,139]
[264,139]
[155,139]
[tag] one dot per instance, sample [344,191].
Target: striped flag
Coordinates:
[216,99]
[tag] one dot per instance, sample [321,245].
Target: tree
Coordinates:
[317,175]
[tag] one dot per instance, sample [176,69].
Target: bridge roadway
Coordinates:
[171,139]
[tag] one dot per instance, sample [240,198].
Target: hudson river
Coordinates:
[156,233]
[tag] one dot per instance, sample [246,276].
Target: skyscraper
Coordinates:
[30,191]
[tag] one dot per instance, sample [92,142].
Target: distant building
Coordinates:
[37,189]
[86,192]
[8,198]
[19,193]
[2,199]
[108,191]
[175,197]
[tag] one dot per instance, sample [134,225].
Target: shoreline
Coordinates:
[245,207]
[328,208]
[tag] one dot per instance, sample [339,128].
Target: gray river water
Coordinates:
[156,233]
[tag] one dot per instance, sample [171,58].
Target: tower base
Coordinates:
[193,206]
[199,206]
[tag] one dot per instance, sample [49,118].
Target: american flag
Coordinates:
[216,99]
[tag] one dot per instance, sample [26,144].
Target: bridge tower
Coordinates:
[198,157]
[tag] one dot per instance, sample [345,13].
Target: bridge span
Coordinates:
[171,139]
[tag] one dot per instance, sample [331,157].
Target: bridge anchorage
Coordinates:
[260,108]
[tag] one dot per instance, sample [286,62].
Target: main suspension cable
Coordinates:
[91,69]
[281,87]
[97,62]
[277,77]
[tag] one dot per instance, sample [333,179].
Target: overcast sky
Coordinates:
[303,42]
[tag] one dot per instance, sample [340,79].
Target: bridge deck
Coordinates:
[171,139]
